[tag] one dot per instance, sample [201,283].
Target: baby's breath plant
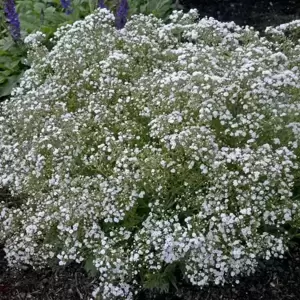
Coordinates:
[152,148]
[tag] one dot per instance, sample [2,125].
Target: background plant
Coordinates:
[11,57]
[46,16]
[158,148]
[159,8]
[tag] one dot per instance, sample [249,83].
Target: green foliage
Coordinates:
[12,65]
[159,8]
[161,281]
[90,267]
[34,15]
[46,16]
[3,25]
[42,15]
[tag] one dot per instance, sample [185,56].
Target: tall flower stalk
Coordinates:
[101,4]
[13,19]
[122,13]
[66,4]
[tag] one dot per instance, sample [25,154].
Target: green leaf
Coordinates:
[10,64]
[55,19]
[38,6]
[49,10]
[143,8]
[90,267]
[6,73]
[170,276]
[47,29]
[6,88]
[156,282]
[8,43]
[30,22]
[3,78]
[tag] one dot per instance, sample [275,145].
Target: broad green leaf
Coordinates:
[7,73]
[38,6]
[30,27]
[47,29]
[9,63]
[144,8]
[3,78]
[6,88]
[49,10]
[89,267]
[8,44]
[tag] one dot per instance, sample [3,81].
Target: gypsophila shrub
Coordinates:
[150,148]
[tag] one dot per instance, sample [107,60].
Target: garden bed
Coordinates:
[274,280]
[257,13]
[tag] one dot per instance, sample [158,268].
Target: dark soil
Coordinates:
[256,13]
[274,280]
[67,283]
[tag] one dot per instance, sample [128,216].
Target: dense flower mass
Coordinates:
[151,146]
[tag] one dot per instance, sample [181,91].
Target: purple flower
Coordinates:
[101,4]
[13,19]
[122,13]
[66,4]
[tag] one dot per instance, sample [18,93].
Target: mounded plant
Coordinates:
[154,148]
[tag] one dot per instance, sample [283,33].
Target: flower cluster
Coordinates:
[12,18]
[121,17]
[66,4]
[152,145]
[101,4]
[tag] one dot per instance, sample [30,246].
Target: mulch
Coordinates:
[277,279]
[256,13]
[68,283]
